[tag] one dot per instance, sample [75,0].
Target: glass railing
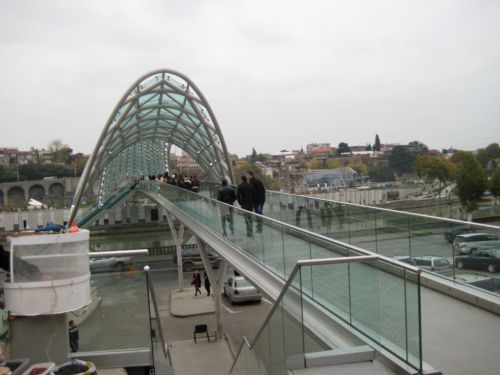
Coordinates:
[376,298]
[91,212]
[122,322]
[120,317]
[421,240]
[278,247]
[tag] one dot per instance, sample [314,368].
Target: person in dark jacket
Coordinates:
[207,283]
[260,197]
[227,195]
[4,259]
[196,282]
[73,336]
[246,198]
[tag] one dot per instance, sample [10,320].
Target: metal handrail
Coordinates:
[296,268]
[166,351]
[98,254]
[304,231]
[388,210]
[243,343]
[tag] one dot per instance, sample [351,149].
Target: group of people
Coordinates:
[190,183]
[251,196]
[196,282]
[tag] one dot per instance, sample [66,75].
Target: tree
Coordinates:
[401,160]
[434,168]
[8,174]
[487,156]
[333,164]
[368,147]
[459,156]
[61,153]
[417,147]
[343,148]
[471,183]
[361,168]
[376,145]
[253,157]
[316,164]
[380,173]
[495,183]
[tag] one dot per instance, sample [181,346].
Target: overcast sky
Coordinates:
[278,74]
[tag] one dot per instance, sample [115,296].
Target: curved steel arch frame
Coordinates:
[161,109]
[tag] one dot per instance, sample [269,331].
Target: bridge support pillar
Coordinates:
[178,236]
[216,286]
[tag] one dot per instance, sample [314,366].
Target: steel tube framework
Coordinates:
[161,109]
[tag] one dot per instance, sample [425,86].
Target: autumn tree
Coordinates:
[333,164]
[471,183]
[434,168]
[361,168]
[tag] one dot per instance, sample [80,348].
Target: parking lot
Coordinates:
[239,320]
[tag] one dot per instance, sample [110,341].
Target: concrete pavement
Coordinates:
[185,303]
[179,312]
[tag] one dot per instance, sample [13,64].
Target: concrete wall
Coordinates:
[41,338]
[33,218]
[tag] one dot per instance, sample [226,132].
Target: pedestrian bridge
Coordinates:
[328,266]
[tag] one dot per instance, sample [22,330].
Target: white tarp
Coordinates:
[35,204]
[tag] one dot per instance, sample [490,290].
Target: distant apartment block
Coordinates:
[186,165]
[13,156]
[311,146]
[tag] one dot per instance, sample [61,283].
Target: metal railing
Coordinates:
[279,339]
[422,240]
[279,246]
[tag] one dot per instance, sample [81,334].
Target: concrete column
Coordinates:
[215,286]
[178,246]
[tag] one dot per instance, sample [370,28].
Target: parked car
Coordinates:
[191,259]
[488,260]
[238,289]
[439,265]
[465,243]
[450,234]
[112,263]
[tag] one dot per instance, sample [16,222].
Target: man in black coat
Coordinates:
[73,336]
[227,195]
[246,198]
[260,197]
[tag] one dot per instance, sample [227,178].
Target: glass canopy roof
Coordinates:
[161,109]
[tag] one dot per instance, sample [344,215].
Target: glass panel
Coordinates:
[293,323]
[413,312]
[247,363]
[362,229]
[262,351]
[392,234]
[277,341]
[379,304]
[123,304]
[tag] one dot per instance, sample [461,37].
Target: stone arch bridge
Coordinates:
[54,192]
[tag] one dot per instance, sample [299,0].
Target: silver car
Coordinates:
[112,263]
[465,243]
[238,289]
[430,263]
